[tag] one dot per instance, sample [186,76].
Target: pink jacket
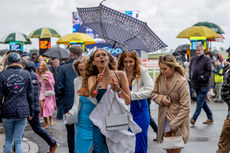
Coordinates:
[50,101]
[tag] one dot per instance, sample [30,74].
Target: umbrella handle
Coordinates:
[96,90]
[102,2]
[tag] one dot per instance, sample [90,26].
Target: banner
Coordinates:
[44,44]
[108,47]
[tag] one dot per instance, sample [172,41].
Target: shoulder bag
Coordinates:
[116,121]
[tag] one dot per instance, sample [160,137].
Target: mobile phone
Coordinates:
[43,76]
[169,99]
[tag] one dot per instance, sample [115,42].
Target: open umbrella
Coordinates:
[213,26]
[44,33]
[3,51]
[76,37]
[15,36]
[57,52]
[120,29]
[198,31]
[182,48]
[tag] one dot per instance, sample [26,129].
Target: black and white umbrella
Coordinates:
[120,29]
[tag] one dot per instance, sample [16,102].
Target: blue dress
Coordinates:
[99,142]
[140,111]
[84,127]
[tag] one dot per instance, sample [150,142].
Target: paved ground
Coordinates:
[203,138]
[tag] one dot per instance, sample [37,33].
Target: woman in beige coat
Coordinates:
[171,93]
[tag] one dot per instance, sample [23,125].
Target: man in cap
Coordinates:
[65,91]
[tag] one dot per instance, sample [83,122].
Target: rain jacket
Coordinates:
[19,103]
[31,68]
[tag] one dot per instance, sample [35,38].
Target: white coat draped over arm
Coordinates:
[143,86]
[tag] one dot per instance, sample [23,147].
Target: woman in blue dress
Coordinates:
[99,73]
[83,107]
[141,85]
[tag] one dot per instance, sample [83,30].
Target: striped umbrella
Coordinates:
[16,36]
[44,33]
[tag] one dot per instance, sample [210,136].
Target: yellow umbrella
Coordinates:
[198,31]
[76,37]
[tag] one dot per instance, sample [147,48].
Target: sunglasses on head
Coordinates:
[164,59]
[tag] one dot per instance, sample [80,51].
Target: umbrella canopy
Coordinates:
[76,37]
[15,36]
[44,33]
[198,31]
[120,29]
[213,26]
[3,51]
[57,52]
[182,48]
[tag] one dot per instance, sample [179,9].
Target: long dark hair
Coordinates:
[91,69]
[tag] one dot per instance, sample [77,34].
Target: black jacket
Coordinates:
[200,70]
[19,103]
[65,88]
[30,66]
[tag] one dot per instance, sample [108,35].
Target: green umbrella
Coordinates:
[12,37]
[44,33]
[213,26]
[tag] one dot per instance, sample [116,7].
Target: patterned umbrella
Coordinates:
[12,37]
[44,33]
[120,29]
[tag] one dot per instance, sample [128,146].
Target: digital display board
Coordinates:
[16,45]
[44,44]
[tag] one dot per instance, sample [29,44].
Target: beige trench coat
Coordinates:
[178,111]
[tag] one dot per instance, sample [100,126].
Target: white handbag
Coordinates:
[49,93]
[70,118]
[173,142]
[116,121]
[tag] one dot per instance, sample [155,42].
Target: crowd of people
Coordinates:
[87,86]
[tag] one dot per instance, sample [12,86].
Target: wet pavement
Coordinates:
[203,138]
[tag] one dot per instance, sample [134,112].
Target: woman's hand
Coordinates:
[114,86]
[100,76]
[83,92]
[165,101]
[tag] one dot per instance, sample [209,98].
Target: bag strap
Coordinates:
[114,99]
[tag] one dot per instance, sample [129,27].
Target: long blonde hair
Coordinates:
[45,69]
[170,61]
[82,59]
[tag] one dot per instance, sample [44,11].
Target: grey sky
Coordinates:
[166,18]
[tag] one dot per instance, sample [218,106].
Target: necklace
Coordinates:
[107,76]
